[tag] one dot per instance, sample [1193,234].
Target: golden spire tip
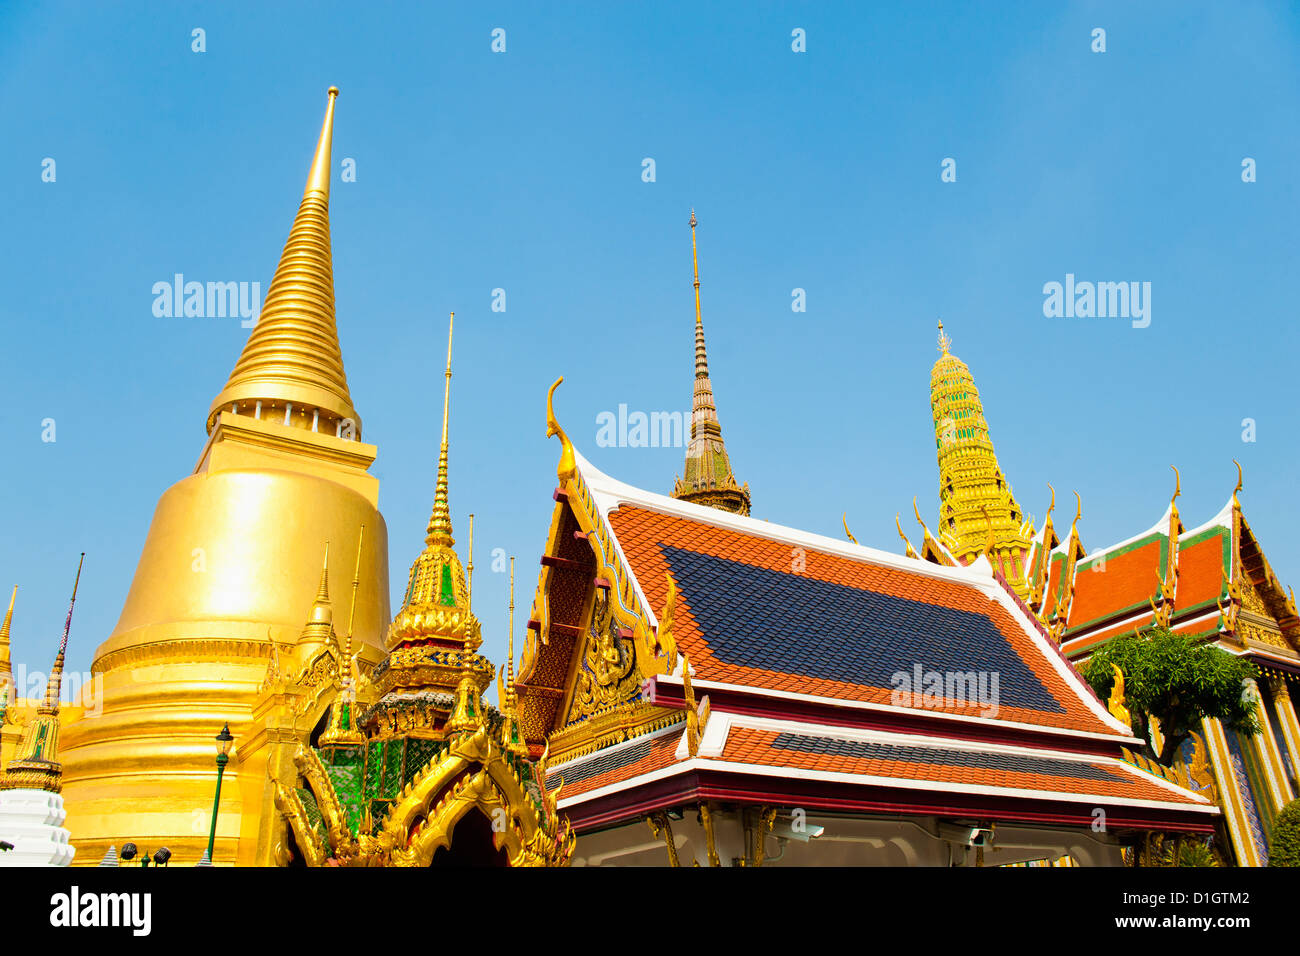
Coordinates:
[440,520]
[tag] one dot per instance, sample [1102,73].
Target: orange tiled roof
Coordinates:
[1200,571]
[1129,579]
[616,764]
[885,615]
[809,749]
[935,764]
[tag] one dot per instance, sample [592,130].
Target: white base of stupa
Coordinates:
[32,821]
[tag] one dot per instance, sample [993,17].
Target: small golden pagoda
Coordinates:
[978,514]
[427,774]
[35,764]
[707,479]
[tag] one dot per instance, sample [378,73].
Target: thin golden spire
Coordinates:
[323,592]
[9,616]
[469,568]
[342,729]
[318,178]
[701,356]
[510,653]
[35,762]
[352,613]
[292,356]
[56,672]
[707,478]
[944,342]
[6,671]
[440,521]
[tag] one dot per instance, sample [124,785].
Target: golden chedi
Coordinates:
[228,571]
[978,514]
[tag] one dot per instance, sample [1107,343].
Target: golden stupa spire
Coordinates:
[346,663]
[510,652]
[35,764]
[6,669]
[978,513]
[439,531]
[323,592]
[56,672]
[707,478]
[291,368]
[437,602]
[342,729]
[512,737]
[317,631]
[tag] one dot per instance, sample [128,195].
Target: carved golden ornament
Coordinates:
[697,715]
[706,819]
[567,466]
[424,815]
[612,726]
[766,820]
[1116,702]
[908,550]
[608,673]
[662,828]
[667,620]
[1201,769]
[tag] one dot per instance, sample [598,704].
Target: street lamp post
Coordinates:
[224,740]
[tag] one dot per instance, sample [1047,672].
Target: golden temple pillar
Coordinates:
[1286,716]
[1271,756]
[1230,802]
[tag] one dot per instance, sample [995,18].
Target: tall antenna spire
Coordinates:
[440,521]
[707,478]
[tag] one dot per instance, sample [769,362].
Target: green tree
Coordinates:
[1285,848]
[1177,679]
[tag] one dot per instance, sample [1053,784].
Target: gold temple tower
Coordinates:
[227,573]
[707,478]
[978,514]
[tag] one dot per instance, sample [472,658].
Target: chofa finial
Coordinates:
[567,466]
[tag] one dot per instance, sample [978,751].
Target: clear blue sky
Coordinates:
[522,171]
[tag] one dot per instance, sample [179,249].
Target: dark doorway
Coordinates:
[471,844]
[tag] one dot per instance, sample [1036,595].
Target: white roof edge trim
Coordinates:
[609,493]
[1160,528]
[908,739]
[1125,738]
[1223,520]
[867,780]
